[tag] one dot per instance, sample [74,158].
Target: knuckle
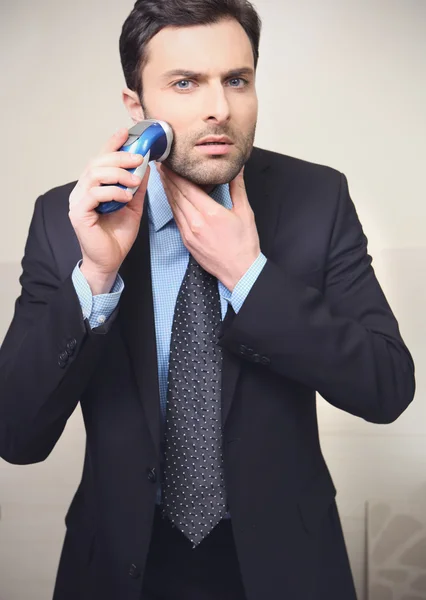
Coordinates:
[186,238]
[196,227]
[92,165]
[117,192]
[90,194]
[72,219]
[73,199]
[94,173]
[89,175]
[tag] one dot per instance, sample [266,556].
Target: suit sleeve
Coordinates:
[344,342]
[47,357]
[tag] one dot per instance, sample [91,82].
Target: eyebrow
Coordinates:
[194,75]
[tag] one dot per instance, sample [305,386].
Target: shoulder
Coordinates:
[55,201]
[303,199]
[295,173]
[54,207]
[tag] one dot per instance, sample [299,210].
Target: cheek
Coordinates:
[164,107]
[178,114]
[244,111]
[245,124]
[252,110]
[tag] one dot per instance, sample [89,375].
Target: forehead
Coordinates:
[202,48]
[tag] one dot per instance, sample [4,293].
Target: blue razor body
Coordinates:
[153,140]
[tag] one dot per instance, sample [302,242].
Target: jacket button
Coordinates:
[256,358]
[152,475]
[134,572]
[71,346]
[265,360]
[63,356]
[245,351]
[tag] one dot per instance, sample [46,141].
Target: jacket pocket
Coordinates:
[315,499]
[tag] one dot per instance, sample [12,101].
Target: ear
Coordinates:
[133,106]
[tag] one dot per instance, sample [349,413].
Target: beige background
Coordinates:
[341,83]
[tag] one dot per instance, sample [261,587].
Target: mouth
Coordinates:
[215,141]
[215,145]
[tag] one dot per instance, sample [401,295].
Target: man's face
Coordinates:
[201,81]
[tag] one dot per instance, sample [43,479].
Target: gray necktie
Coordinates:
[193,483]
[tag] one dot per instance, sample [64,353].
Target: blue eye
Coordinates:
[237,80]
[186,87]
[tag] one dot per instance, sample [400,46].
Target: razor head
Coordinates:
[153,140]
[150,135]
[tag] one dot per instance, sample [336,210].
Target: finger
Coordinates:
[108,175]
[97,195]
[178,202]
[125,160]
[182,224]
[178,214]
[191,192]
[137,202]
[115,141]
[237,189]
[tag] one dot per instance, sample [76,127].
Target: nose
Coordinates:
[216,105]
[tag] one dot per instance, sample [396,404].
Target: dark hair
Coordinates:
[148,17]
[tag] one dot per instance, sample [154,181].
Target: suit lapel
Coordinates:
[258,193]
[138,325]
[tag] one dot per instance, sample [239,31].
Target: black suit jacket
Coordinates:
[316,319]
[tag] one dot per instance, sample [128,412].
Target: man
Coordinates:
[194,326]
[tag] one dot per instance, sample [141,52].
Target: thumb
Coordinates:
[137,202]
[238,192]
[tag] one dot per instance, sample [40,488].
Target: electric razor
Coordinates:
[153,140]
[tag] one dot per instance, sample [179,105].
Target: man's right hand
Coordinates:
[105,240]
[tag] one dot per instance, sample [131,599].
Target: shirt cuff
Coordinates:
[97,309]
[243,287]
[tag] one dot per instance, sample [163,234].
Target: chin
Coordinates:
[210,172]
[213,178]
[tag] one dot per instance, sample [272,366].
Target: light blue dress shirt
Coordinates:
[169,261]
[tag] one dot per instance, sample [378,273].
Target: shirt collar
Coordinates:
[159,209]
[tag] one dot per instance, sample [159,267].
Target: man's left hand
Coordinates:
[224,242]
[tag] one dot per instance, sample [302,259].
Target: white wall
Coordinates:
[340,83]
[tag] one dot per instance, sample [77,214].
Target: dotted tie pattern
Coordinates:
[193,484]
